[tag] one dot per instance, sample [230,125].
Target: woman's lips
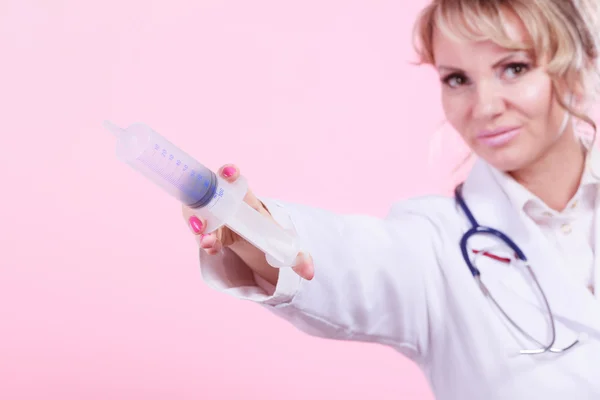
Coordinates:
[499,136]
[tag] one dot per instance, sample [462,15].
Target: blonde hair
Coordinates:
[565,33]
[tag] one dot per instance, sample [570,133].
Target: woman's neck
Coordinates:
[555,177]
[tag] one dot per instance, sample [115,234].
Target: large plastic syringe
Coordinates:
[211,197]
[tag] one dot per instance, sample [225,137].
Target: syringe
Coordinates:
[212,198]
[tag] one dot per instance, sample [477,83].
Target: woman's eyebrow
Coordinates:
[496,64]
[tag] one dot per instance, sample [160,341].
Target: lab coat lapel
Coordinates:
[595,167]
[568,300]
[596,249]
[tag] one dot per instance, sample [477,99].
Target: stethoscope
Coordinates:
[520,259]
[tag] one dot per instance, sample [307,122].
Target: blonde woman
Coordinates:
[492,292]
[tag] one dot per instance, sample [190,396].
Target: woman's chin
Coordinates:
[506,160]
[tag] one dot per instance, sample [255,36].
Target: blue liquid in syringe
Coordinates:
[196,184]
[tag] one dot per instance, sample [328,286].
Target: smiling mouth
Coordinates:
[496,132]
[498,137]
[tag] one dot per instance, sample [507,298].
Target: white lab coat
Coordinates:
[402,282]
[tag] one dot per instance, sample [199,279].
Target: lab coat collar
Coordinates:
[592,168]
[521,197]
[569,300]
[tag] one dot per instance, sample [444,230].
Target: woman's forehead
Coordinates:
[452,47]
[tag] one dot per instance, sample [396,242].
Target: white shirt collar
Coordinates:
[533,206]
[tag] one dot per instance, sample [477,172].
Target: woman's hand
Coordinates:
[214,242]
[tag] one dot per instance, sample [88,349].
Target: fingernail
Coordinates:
[228,172]
[196,224]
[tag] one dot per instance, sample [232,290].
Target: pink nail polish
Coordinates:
[228,172]
[196,224]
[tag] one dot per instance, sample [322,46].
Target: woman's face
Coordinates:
[502,105]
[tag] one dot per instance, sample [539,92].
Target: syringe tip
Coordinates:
[116,130]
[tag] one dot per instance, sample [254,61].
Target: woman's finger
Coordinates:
[196,224]
[305,268]
[255,203]
[211,244]
[229,172]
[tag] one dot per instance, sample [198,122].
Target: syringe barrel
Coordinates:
[166,165]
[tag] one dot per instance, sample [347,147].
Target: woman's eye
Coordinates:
[515,69]
[454,80]
[510,71]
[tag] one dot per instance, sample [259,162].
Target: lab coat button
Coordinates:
[566,228]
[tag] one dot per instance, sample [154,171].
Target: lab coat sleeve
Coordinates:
[374,277]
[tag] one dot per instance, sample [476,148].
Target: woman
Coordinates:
[516,75]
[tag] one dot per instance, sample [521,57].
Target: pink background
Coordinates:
[100,291]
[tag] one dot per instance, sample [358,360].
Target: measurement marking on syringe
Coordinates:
[163,168]
[162,171]
[171,177]
[191,193]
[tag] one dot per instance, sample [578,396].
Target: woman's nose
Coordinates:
[489,101]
